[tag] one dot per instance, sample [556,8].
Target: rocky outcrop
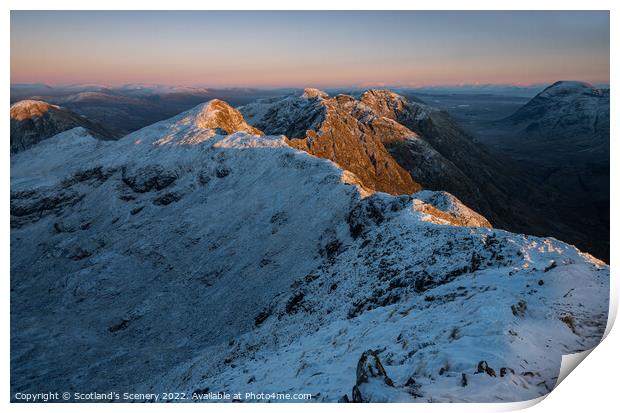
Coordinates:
[370,374]
[218,114]
[444,208]
[148,178]
[483,367]
[324,127]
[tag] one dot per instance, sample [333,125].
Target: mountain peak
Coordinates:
[217,114]
[391,105]
[383,101]
[311,92]
[577,104]
[569,87]
[380,94]
[35,120]
[28,109]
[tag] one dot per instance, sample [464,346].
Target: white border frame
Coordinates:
[592,387]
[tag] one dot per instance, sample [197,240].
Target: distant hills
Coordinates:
[130,107]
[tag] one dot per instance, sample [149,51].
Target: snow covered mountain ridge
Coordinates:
[568,87]
[197,255]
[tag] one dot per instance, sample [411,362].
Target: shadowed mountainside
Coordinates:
[33,121]
[560,141]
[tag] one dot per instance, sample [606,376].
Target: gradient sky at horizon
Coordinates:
[295,49]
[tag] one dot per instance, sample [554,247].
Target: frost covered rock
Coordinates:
[370,377]
[314,93]
[483,367]
[445,208]
[148,178]
[217,114]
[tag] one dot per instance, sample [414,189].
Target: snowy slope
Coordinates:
[433,301]
[184,258]
[573,116]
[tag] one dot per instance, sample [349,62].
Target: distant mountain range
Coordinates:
[491,89]
[210,253]
[130,107]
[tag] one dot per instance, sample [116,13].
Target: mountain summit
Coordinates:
[564,111]
[310,92]
[326,127]
[570,87]
[219,114]
[33,121]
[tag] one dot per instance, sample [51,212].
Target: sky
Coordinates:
[298,49]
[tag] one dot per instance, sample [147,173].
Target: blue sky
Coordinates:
[325,49]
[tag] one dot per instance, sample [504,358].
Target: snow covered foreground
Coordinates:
[181,259]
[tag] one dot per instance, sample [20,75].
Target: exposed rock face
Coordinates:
[219,114]
[445,208]
[423,141]
[441,156]
[33,121]
[391,105]
[370,374]
[324,127]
